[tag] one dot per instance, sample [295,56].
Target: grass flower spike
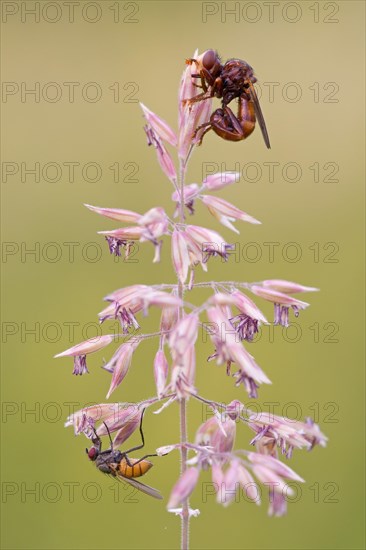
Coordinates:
[230,317]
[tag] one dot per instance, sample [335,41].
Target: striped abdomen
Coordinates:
[135,470]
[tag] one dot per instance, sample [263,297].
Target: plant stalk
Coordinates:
[183,403]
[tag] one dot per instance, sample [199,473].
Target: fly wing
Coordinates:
[259,114]
[140,486]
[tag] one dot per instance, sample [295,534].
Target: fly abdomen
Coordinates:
[135,470]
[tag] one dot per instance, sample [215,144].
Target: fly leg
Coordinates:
[200,97]
[226,125]
[208,127]
[109,435]
[138,447]
[203,84]
[215,89]
[140,459]
[142,437]
[234,128]
[203,74]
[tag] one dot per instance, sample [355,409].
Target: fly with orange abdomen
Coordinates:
[117,463]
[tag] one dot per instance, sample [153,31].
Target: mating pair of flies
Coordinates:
[233,79]
[118,465]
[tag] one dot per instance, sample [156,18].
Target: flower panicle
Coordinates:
[234,320]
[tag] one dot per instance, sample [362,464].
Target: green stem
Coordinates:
[183,402]
[183,455]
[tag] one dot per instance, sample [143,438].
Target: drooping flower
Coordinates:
[249,373]
[217,181]
[97,412]
[124,424]
[127,216]
[164,158]
[126,295]
[234,409]
[120,363]
[225,212]
[181,344]
[196,257]
[277,503]
[160,126]
[273,473]
[123,418]
[80,351]
[161,369]
[182,381]
[169,318]
[126,303]
[276,431]
[312,433]
[282,303]
[248,485]
[122,238]
[217,433]
[132,233]
[184,487]
[287,287]
[218,477]
[190,192]
[180,255]
[125,317]
[183,337]
[229,482]
[151,225]
[284,433]
[155,224]
[228,351]
[250,317]
[210,242]
[271,469]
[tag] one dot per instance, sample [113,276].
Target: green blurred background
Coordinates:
[142,47]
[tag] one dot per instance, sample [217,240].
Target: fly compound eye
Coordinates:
[209,59]
[92,453]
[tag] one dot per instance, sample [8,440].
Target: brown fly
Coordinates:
[233,79]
